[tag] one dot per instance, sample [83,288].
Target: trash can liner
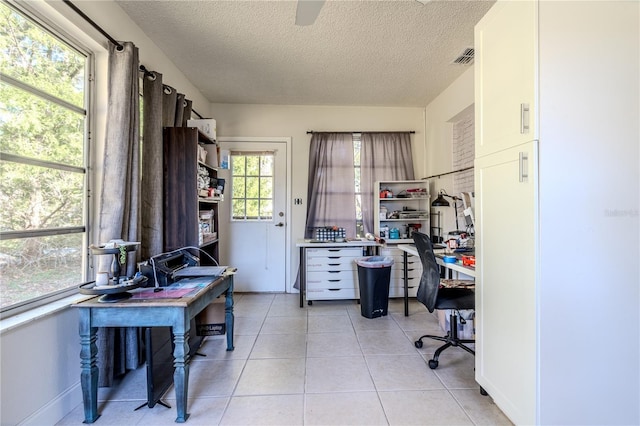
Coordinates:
[375,261]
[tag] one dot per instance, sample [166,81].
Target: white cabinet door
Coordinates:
[506,55]
[506,258]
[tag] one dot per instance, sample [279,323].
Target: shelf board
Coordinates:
[208,166]
[210,200]
[208,243]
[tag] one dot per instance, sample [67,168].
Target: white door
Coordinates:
[253,221]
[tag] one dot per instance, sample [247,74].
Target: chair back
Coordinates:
[430,279]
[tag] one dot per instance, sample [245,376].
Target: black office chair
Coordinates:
[433,296]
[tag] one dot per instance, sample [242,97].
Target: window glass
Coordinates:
[40,59]
[252,183]
[43,143]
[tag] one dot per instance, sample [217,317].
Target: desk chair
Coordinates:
[434,296]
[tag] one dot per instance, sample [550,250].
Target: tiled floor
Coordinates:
[324,364]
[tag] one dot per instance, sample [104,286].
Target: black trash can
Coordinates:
[374,275]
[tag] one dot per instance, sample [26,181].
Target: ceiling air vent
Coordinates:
[465,58]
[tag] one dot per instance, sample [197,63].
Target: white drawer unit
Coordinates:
[396,286]
[332,273]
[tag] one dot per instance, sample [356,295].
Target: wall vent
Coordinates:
[465,58]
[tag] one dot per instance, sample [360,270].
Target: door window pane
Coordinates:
[252,183]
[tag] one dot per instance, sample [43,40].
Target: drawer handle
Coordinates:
[333,264]
[334,289]
[334,281]
[334,249]
[333,257]
[333,272]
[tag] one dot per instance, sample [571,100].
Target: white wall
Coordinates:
[453,104]
[294,121]
[589,319]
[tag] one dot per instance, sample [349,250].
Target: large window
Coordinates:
[43,155]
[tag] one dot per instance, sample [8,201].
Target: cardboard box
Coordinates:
[210,322]
[206,126]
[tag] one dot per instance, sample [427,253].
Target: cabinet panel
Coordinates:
[506,268]
[506,58]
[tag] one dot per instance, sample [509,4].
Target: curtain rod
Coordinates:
[152,75]
[361,131]
[93,24]
[449,173]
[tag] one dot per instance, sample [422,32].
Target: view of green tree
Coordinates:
[39,59]
[252,183]
[44,186]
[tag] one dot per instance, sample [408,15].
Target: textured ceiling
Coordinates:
[370,53]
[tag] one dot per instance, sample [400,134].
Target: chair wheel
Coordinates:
[433,364]
[418,343]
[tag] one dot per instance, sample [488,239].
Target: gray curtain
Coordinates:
[331,189]
[152,164]
[383,156]
[118,206]
[169,99]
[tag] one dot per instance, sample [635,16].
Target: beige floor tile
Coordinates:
[265,410]
[248,325]
[284,325]
[286,308]
[345,408]
[337,374]
[132,386]
[417,321]
[202,411]
[216,348]
[480,408]
[456,369]
[433,407]
[214,378]
[280,346]
[385,343]
[111,413]
[361,323]
[272,376]
[333,344]
[329,323]
[402,372]
[329,307]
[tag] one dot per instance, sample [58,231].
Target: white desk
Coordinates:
[410,249]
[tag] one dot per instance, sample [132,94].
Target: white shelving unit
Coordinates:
[402,209]
[408,204]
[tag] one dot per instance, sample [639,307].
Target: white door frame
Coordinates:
[288,207]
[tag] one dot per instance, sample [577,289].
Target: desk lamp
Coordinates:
[441,202]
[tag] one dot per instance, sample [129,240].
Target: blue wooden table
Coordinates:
[146,310]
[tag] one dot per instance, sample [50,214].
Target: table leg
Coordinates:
[181,364]
[405,257]
[303,274]
[89,366]
[228,314]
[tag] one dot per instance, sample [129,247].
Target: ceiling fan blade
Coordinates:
[307,11]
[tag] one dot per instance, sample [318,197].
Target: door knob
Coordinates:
[280,224]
